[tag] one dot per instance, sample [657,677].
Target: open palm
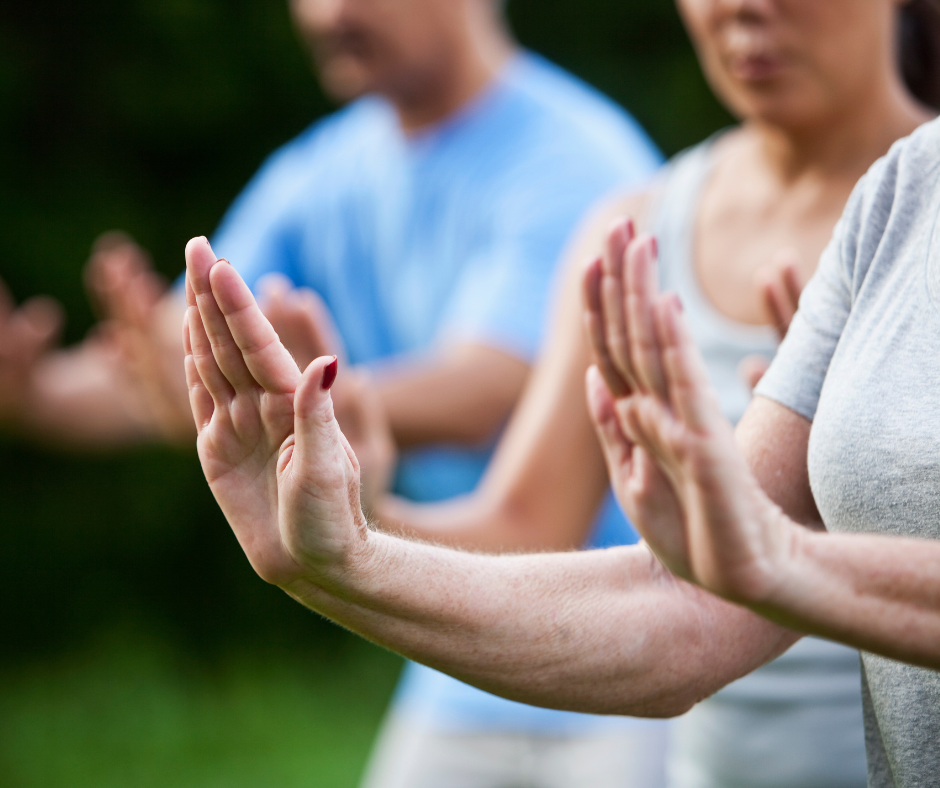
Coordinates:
[670,452]
[271,450]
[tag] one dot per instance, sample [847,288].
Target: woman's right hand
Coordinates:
[672,456]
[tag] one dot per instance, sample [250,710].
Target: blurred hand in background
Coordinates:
[780,284]
[27,333]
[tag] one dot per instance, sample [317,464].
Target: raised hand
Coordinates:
[141,324]
[274,456]
[306,328]
[301,320]
[27,333]
[780,287]
[671,454]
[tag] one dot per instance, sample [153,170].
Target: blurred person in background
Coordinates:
[426,219]
[823,90]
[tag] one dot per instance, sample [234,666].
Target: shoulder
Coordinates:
[589,238]
[894,204]
[579,119]
[331,146]
[345,132]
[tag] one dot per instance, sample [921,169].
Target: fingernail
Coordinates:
[655,245]
[223,260]
[679,303]
[329,374]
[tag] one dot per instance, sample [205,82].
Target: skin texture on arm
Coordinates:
[603,631]
[688,488]
[547,476]
[462,393]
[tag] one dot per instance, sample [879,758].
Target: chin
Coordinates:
[346,81]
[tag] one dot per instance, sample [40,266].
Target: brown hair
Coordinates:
[920,49]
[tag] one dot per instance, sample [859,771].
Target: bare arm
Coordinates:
[606,631]
[547,477]
[462,393]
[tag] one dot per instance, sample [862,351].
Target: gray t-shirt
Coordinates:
[862,362]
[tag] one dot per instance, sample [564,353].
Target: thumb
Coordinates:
[316,431]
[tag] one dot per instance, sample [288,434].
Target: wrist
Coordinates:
[785,569]
[346,573]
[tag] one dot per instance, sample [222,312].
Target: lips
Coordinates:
[755,67]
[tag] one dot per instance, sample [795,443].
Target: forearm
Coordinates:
[474,522]
[876,593]
[462,394]
[602,631]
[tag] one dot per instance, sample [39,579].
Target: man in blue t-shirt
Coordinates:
[427,216]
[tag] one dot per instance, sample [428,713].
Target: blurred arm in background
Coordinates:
[125,385]
[547,479]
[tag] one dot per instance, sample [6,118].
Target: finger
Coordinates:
[317,433]
[44,317]
[594,325]
[616,446]
[641,293]
[295,319]
[204,360]
[273,286]
[793,288]
[611,292]
[690,393]
[619,236]
[200,261]
[752,369]
[780,304]
[200,400]
[116,260]
[326,329]
[188,291]
[258,345]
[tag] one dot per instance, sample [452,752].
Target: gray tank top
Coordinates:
[797,721]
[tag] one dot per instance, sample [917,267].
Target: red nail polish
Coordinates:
[329,374]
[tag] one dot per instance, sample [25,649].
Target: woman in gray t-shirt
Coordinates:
[846,423]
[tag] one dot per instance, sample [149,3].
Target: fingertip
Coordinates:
[329,374]
[199,258]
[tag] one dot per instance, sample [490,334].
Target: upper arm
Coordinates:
[774,441]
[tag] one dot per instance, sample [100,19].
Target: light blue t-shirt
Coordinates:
[449,234]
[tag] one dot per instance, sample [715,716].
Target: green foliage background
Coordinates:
[149,115]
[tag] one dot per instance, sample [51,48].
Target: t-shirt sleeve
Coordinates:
[503,296]
[796,376]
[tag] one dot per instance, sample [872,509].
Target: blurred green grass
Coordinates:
[131,712]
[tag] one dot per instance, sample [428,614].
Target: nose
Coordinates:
[317,15]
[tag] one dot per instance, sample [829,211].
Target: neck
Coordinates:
[474,60]
[845,143]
